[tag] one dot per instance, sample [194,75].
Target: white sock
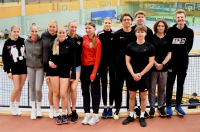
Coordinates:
[33,105]
[63,112]
[16,105]
[57,113]
[131,114]
[51,107]
[88,114]
[142,114]
[38,105]
[11,104]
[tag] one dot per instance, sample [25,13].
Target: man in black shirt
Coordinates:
[180,38]
[193,101]
[139,60]
[123,37]
[140,19]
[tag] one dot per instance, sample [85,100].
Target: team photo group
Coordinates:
[135,55]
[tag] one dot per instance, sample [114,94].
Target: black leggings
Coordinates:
[104,81]
[181,74]
[86,71]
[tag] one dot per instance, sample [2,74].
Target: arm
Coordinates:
[149,66]
[6,59]
[97,61]
[73,54]
[165,61]
[190,41]
[49,60]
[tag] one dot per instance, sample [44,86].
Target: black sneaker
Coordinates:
[59,120]
[146,115]
[152,112]
[65,119]
[137,111]
[128,120]
[162,112]
[142,122]
[71,118]
[75,115]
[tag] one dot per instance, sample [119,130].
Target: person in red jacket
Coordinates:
[91,55]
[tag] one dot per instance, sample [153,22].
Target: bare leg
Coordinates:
[56,91]
[64,84]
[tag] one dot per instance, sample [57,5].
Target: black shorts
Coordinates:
[53,72]
[142,85]
[45,67]
[19,70]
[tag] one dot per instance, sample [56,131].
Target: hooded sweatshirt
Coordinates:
[34,52]
[181,42]
[47,39]
[13,54]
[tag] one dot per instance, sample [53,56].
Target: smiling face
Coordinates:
[140,34]
[126,21]
[107,24]
[72,27]
[140,19]
[34,32]
[62,33]
[89,30]
[15,33]
[180,18]
[52,28]
[160,27]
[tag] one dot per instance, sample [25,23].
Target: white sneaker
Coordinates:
[86,119]
[33,114]
[18,111]
[54,112]
[93,120]
[51,113]
[39,112]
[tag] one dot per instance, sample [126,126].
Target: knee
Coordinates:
[38,91]
[16,89]
[73,89]
[56,93]
[63,96]
[132,96]
[144,98]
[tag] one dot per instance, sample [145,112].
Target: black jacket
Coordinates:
[181,42]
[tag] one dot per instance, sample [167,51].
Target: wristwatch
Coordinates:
[162,64]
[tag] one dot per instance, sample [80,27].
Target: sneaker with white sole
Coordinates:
[93,120]
[39,112]
[51,113]
[12,109]
[116,115]
[33,114]
[86,119]
[18,111]
[54,112]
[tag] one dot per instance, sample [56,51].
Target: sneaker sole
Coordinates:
[58,123]
[65,122]
[94,123]
[151,115]
[104,117]
[161,114]
[178,112]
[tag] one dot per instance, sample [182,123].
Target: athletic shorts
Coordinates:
[142,85]
[57,73]
[78,69]
[19,71]
[45,67]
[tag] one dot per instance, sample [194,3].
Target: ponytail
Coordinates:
[56,47]
[93,41]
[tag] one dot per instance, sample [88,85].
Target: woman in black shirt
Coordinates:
[61,58]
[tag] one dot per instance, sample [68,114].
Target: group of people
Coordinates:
[132,54]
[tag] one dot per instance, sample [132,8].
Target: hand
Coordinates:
[52,65]
[71,80]
[137,76]
[92,77]
[10,75]
[47,78]
[159,67]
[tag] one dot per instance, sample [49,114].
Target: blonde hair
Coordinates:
[54,21]
[107,18]
[140,12]
[76,36]
[14,26]
[93,37]
[55,47]
[179,11]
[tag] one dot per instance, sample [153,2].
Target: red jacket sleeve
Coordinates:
[97,61]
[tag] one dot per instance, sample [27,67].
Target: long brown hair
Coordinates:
[55,47]
[93,37]
[156,25]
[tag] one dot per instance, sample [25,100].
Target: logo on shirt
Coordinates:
[121,37]
[90,44]
[144,49]
[111,39]
[179,41]
[67,47]
[145,89]
[78,42]
[169,70]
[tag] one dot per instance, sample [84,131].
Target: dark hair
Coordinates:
[194,94]
[93,37]
[125,14]
[156,25]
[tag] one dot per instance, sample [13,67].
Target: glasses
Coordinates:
[126,20]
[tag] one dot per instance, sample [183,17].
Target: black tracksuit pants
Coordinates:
[103,70]
[86,71]
[122,74]
[181,75]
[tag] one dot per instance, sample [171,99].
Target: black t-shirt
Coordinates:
[140,55]
[161,46]
[122,40]
[193,101]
